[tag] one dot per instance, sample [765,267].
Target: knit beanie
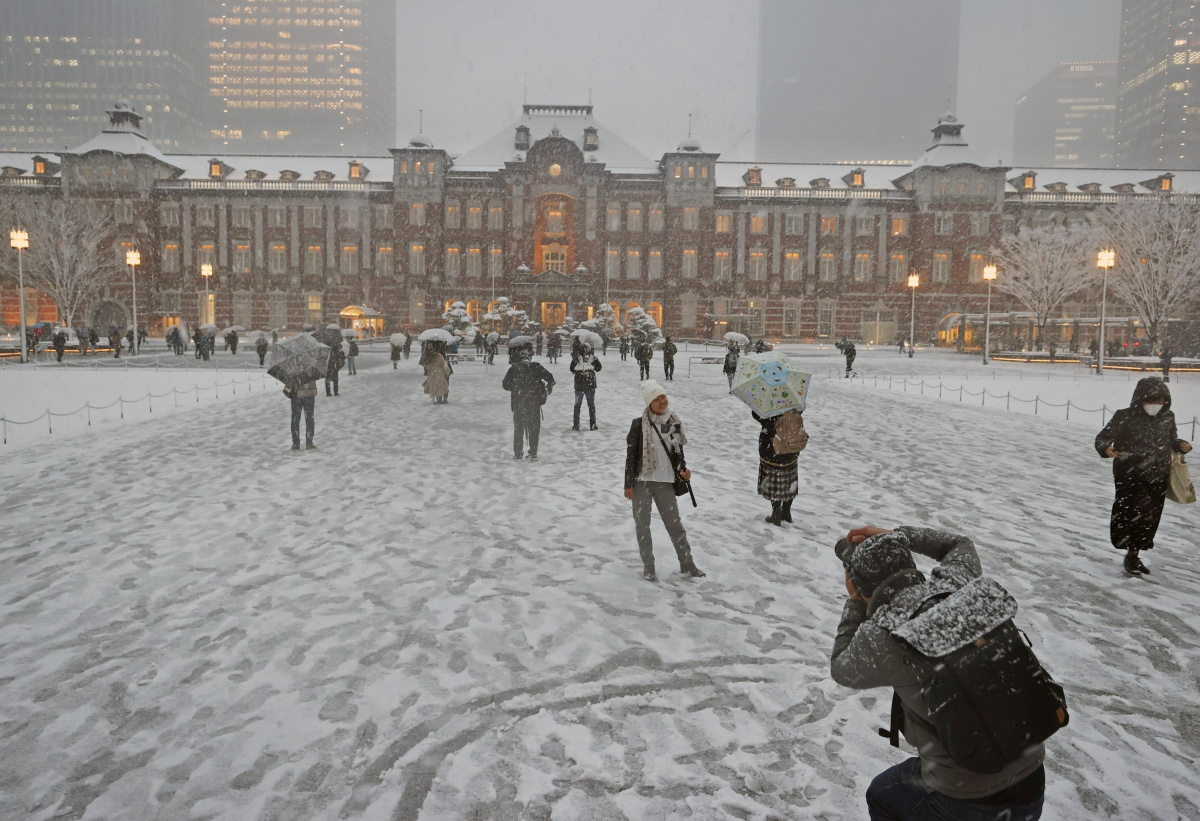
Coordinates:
[878,557]
[651,390]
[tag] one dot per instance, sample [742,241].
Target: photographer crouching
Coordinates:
[968,692]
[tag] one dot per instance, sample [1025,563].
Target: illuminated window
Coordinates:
[899,267]
[452,215]
[657,223]
[633,217]
[207,255]
[792,266]
[722,265]
[316,314]
[278,258]
[349,259]
[416,214]
[633,263]
[724,223]
[555,224]
[356,171]
[899,227]
[613,217]
[691,172]
[496,262]
[704,172]
[474,263]
[679,172]
[691,218]
[975,273]
[941,266]
[758,223]
[654,266]
[170,258]
[474,216]
[416,259]
[856,179]
[829,226]
[452,263]
[862,267]
[241,259]
[214,169]
[1028,182]
[385,260]
[689,263]
[828,268]
[756,268]
[312,260]
[39,167]
[496,217]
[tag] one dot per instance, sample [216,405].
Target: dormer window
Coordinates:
[39,167]
[1090,188]
[819,182]
[217,170]
[522,141]
[290,176]
[11,171]
[1123,188]
[753,176]
[855,179]
[1161,183]
[1165,183]
[253,174]
[1057,187]
[323,176]
[591,139]
[786,182]
[357,170]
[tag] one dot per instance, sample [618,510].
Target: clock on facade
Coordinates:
[555,170]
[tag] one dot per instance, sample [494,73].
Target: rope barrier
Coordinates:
[121,402]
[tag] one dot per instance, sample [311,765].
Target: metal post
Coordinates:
[1103,317]
[21,286]
[912,320]
[137,337]
[987,327]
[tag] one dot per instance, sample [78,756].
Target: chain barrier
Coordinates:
[121,402]
[1037,401]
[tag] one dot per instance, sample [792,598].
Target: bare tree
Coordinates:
[1157,269]
[1041,267]
[71,255]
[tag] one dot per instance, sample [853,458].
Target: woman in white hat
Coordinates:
[653,460]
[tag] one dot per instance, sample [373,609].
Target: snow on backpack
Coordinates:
[790,435]
[988,696]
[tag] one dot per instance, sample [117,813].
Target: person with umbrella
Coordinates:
[407,346]
[585,366]
[669,351]
[654,463]
[298,363]
[624,348]
[232,340]
[260,348]
[351,369]
[731,362]
[529,385]
[493,342]
[337,358]
[437,370]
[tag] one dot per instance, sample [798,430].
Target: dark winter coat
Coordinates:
[527,383]
[353,348]
[1145,442]
[261,345]
[60,342]
[866,655]
[643,352]
[766,444]
[624,345]
[395,353]
[585,380]
[731,362]
[633,455]
[669,350]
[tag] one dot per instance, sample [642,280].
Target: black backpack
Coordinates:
[988,696]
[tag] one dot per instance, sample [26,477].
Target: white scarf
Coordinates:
[669,427]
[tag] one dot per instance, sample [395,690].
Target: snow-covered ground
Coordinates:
[405,623]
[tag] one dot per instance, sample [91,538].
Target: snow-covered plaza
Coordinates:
[199,623]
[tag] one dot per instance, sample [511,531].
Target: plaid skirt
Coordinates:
[778,484]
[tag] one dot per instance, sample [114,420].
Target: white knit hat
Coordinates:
[651,390]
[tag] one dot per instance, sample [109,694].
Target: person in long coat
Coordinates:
[778,475]
[669,350]
[643,352]
[1139,439]
[529,385]
[260,348]
[731,363]
[395,356]
[437,373]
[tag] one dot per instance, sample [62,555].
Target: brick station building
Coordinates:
[560,214]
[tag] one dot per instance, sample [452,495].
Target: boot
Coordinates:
[776,516]
[592,425]
[690,569]
[575,426]
[786,511]
[648,574]
[1133,563]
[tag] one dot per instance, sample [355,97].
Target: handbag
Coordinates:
[681,486]
[1180,488]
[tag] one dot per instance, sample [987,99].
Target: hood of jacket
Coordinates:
[892,585]
[1150,389]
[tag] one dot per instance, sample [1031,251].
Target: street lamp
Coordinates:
[989,274]
[206,272]
[913,281]
[133,259]
[20,240]
[1105,260]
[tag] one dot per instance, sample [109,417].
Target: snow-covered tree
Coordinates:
[71,254]
[570,324]
[1157,244]
[460,323]
[1041,267]
[606,318]
[639,319]
[503,317]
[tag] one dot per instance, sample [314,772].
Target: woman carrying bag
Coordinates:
[1141,440]
[655,471]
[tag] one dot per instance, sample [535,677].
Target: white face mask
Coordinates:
[1152,409]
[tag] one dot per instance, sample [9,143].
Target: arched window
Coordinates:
[449,304]
[655,310]
[473,309]
[616,311]
[629,305]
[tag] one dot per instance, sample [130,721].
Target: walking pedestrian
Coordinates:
[624,349]
[304,401]
[337,358]
[1139,439]
[260,348]
[60,344]
[479,340]
[395,356]
[731,362]
[351,368]
[900,347]
[114,342]
[554,347]
[94,339]
[437,373]
[529,385]
[778,474]
[669,351]
[654,461]
[407,346]
[643,353]
[129,337]
[84,341]
[585,366]
[605,340]
[538,340]
[1165,361]
[850,353]
[233,340]
[880,571]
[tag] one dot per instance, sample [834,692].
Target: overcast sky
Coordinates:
[651,62]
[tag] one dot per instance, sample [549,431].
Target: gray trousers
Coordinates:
[663,496]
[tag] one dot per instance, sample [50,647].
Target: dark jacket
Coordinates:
[731,362]
[353,348]
[395,353]
[585,380]
[669,351]
[866,655]
[261,345]
[1145,442]
[643,352]
[527,383]
[766,444]
[633,454]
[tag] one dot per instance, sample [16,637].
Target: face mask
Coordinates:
[1152,409]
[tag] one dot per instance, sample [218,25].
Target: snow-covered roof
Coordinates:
[1183,182]
[196,166]
[125,142]
[23,162]
[617,155]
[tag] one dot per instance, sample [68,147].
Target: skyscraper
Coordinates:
[1068,118]
[854,81]
[63,62]
[1156,123]
[298,79]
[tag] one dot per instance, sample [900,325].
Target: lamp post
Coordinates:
[206,272]
[20,240]
[989,274]
[133,259]
[1104,260]
[913,281]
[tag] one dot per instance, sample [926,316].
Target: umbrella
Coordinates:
[332,326]
[562,332]
[237,328]
[351,333]
[436,335]
[520,341]
[590,338]
[740,339]
[299,359]
[208,326]
[398,339]
[770,384]
[493,337]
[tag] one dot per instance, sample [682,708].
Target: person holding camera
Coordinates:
[886,590]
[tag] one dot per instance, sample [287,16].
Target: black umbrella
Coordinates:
[299,359]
